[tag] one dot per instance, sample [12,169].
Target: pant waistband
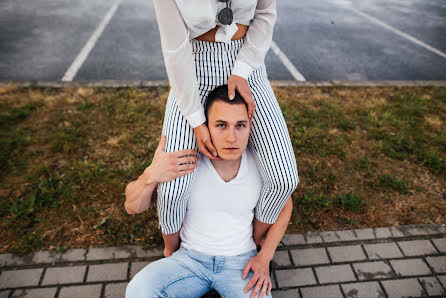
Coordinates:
[201,46]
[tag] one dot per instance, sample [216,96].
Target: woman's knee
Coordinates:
[283,185]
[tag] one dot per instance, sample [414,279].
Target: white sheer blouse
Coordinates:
[179,21]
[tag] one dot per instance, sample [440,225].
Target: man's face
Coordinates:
[229,128]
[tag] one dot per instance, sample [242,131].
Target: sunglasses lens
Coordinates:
[225,16]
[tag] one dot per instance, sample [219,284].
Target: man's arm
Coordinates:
[164,167]
[260,263]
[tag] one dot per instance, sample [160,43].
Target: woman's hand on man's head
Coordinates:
[242,86]
[169,166]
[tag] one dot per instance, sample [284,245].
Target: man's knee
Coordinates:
[139,287]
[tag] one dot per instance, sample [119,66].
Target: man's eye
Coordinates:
[241,125]
[220,125]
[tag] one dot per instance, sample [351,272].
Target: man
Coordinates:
[218,245]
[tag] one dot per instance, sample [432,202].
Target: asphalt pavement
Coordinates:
[313,40]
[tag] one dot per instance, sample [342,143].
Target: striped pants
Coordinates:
[269,138]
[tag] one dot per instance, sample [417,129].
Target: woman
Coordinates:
[204,47]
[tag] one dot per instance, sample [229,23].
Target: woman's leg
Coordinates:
[272,147]
[173,195]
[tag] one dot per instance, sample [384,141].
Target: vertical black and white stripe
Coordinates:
[269,139]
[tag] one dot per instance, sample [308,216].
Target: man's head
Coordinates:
[228,123]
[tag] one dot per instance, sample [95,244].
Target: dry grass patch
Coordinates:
[367,157]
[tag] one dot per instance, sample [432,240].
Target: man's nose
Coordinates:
[230,136]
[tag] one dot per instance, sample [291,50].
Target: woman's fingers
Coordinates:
[205,151]
[211,149]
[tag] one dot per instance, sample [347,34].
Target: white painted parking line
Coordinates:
[398,32]
[83,54]
[287,63]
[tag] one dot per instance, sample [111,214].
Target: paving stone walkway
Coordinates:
[407,261]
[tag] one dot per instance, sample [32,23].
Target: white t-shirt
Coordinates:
[219,214]
[179,21]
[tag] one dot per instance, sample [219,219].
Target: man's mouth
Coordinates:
[231,149]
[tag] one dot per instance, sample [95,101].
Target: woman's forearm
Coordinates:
[276,231]
[138,194]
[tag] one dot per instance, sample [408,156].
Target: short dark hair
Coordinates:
[220,93]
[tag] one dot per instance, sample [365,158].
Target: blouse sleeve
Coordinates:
[178,58]
[257,40]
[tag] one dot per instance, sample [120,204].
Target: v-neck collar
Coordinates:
[242,171]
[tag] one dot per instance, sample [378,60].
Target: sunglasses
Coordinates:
[225,15]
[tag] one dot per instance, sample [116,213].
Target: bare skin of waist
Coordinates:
[210,35]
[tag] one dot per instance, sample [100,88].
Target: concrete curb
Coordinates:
[165,83]
[306,240]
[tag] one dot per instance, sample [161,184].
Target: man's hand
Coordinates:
[169,166]
[239,83]
[260,278]
[204,141]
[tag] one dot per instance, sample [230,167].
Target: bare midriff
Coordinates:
[210,35]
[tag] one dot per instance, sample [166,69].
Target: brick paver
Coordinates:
[332,291]
[107,253]
[382,251]
[335,273]
[410,267]
[383,232]
[440,244]
[372,262]
[291,293]
[295,277]
[346,253]
[136,267]
[442,279]
[309,256]
[370,289]
[281,258]
[20,278]
[35,293]
[372,270]
[64,275]
[293,239]
[313,237]
[403,288]
[417,247]
[432,286]
[90,291]
[115,290]
[364,234]
[438,263]
[105,272]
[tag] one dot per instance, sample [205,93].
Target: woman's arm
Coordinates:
[257,40]
[180,67]
[252,54]
[260,263]
[164,167]
[178,58]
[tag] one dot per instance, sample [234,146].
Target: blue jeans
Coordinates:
[192,274]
